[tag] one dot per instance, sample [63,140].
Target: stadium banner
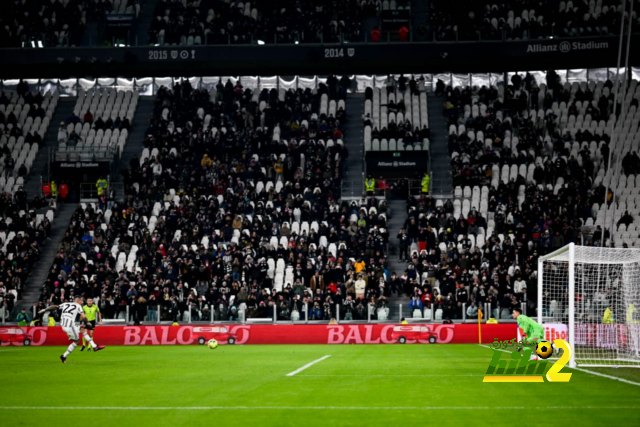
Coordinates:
[316,59]
[269,334]
[396,164]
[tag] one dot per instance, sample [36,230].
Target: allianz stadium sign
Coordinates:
[566,46]
[87,166]
[79,165]
[397,164]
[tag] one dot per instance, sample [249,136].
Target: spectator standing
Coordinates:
[426,180]
[23,318]
[62,133]
[520,288]
[360,287]
[472,311]
[608,318]
[101,186]
[111,198]
[63,191]
[370,186]
[375,35]
[415,304]
[278,167]
[404,243]
[9,164]
[403,33]
[21,198]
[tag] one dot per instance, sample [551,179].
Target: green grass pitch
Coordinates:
[386,385]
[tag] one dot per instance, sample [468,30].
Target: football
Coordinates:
[544,349]
[212,344]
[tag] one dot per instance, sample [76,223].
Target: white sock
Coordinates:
[72,347]
[88,339]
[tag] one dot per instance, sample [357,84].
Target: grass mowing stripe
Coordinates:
[587,371]
[290,374]
[350,408]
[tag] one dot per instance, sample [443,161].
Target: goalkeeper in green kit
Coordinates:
[532,329]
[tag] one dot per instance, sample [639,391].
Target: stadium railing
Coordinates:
[391,313]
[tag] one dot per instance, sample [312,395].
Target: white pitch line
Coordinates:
[499,349]
[611,377]
[393,375]
[290,374]
[350,408]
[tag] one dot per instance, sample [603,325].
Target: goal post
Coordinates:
[590,297]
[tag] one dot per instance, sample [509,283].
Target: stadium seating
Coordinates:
[24,120]
[397,121]
[24,232]
[191,189]
[238,22]
[488,20]
[35,23]
[106,133]
[559,137]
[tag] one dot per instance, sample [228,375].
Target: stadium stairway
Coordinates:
[442,182]
[144,23]
[353,182]
[394,224]
[31,292]
[135,141]
[40,167]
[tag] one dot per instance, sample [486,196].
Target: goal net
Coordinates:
[590,297]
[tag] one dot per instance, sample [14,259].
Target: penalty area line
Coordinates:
[586,371]
[308,365]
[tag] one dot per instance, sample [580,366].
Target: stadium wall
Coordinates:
[271,334]
[352,58]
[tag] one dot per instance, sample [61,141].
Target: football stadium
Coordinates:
[350,213]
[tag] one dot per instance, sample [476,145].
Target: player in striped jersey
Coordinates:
[68,320]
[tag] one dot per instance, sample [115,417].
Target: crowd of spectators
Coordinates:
[22,236]
[448,272]
[453,274]
[67,133]
[51,23]
[232,208]
[530,19]
[220,22]
[475,259]
[538,141]
[10,124]
[490,255]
